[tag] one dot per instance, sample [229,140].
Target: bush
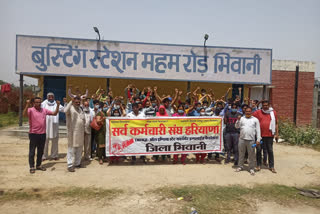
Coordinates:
[298,135]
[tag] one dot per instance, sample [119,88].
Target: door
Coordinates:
[56,85]
[235,91]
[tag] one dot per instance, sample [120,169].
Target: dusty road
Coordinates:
[296,167]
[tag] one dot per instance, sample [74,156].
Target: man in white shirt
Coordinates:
[136,114]
[52,127]
[249,130]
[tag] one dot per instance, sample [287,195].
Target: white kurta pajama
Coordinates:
[75,127]
[52,129]
[87,133]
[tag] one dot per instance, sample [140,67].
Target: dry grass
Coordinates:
[235,199]
[72,192]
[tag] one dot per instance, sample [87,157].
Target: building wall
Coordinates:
[168,87]
[164,87]
[283,79]
[82,82]
[118,85]
[283,95]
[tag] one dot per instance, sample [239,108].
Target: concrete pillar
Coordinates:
[21,100]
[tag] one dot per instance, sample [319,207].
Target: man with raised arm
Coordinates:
[37,130]
[52,127]
[75,127]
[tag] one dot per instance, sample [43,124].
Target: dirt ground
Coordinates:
[296,166]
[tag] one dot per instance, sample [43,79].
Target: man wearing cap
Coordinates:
[52,127]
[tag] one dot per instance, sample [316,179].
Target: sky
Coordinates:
[290,27]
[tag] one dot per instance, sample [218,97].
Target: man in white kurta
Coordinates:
[75,127]
[52,127]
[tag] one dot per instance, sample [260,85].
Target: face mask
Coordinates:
[137,101]
[229,107]
[116,114]
[234,110]
[198,108]
[51,101]
[86,109]
[180,111]
[96,106]
[205,106]
[116,106]
[105,109]
[203,94]
[209,113]
[154,105]
[202,113]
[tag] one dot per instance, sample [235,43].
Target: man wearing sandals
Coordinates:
[75,126]
[52,128]
[249,130]
[269,130]
[37,130]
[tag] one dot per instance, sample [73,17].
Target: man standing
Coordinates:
[269,130]
[75,126]
[89,114]
[136,114]
[37,131]
[249,129]
[52,127]
[232,133]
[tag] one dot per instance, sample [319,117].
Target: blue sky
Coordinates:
[290,27]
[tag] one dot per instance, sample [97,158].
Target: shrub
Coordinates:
[298,135]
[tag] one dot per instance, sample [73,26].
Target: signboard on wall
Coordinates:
[54,56]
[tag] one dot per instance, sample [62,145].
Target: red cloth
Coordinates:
[145,99]
[201,157]
[264,120]
[5,88]
[129,94]
[183,158]
[162,115]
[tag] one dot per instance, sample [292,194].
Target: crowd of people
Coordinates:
[248,130]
